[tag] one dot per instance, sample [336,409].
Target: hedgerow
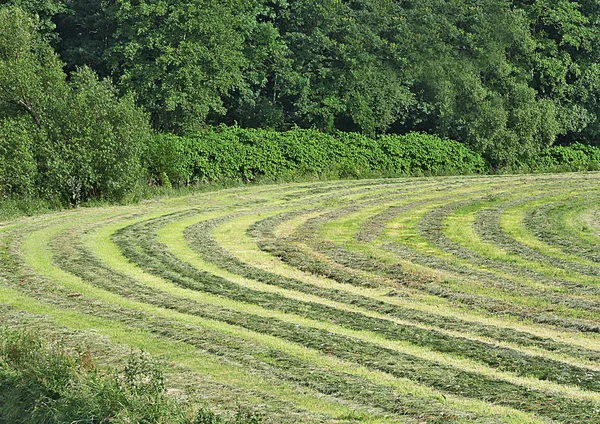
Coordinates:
[576,157]
[224,153]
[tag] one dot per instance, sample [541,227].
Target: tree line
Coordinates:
[505,78]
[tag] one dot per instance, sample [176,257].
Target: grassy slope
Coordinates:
[469,299]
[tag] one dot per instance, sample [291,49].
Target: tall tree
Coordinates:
[565,63]
[470,81]
[81,138]
[506,78]
[31,75]
[180,57]
[345,70]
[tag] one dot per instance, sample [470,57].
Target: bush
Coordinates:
[576,157]
[431,155]
[232,153]
[44,383]
[81,140]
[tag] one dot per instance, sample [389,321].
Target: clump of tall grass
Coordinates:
[43,382]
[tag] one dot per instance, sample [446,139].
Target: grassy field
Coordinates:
[456,299]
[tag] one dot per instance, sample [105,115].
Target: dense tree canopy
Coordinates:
[507,78]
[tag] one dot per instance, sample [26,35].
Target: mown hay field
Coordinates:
[455,299]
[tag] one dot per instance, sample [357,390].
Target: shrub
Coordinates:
[167,159]
[88,141]
[226,153]
[44,383]
[576,157]
[96,143]
[431,155]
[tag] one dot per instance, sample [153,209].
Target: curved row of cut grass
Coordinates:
[410,300]
[415,246]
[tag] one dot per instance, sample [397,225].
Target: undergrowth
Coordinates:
[42,382]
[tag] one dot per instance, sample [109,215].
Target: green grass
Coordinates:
[459,299]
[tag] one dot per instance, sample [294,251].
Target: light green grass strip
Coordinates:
[37,253]
[208,366]
[581,224]
[233,237]
[172,236]
[512,223]
[584,224]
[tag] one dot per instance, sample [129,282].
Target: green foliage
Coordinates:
[339,65]
[576,157]
[96,143]
[507,79]
[471,83]
[179,56]
[72,140]
[45,383]
[224,154]
[17,206]
[431,155]
[18,170]
[85,32]
[233,153]
[564,63]
[44,10]
[31,76]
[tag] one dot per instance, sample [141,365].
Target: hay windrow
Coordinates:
[411,300]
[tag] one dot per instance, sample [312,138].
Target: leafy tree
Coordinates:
[81,138]
[565,62]
[44,11]
[469,80]
[96,143]
[86,31]
[31,76]
[339,68]
[180,57]
[18,171]
[268,78]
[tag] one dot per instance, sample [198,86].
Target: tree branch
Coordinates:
[31,112]
[23,105]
